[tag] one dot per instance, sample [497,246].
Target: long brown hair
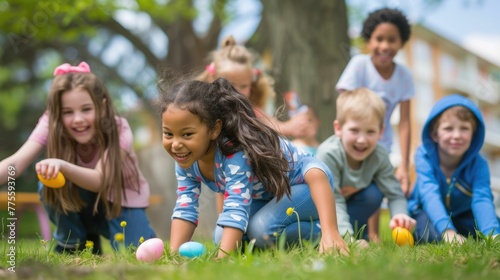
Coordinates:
[61,145]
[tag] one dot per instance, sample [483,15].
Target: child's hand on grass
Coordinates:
[335,244]
[361,243]
[452,236]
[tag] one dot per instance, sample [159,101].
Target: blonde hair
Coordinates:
[262,84]
[360,104]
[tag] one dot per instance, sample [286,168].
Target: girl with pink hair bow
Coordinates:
[91,146]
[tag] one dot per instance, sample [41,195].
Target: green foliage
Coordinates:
[169,11]
[10,105]
[44,20]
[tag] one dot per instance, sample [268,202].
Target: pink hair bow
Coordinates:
[65,68]
[210,68]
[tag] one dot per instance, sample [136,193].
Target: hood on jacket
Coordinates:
[444,103]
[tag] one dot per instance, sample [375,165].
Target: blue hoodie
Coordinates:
[468,188]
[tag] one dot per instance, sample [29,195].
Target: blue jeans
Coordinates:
[268,219]
[73,228]
[361,205]
[425,232]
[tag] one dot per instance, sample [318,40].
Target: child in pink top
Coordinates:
[92,148]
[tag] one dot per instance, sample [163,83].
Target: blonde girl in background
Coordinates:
[235,63]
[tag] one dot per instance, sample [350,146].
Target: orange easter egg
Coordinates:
[402,237]
[56,182]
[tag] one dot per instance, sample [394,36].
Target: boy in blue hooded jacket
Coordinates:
[452,194]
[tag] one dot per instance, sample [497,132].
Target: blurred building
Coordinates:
[441,67]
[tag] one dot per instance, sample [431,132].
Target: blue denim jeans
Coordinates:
[361,205]
[425,232]
[268,219]
[73,228]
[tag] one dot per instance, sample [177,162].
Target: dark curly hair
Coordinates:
[386,15]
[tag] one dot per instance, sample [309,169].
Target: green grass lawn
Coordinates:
[475,259]
[471,260]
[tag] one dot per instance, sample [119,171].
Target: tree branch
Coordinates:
[112,25]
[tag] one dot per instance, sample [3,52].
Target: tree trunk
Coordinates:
[309,46]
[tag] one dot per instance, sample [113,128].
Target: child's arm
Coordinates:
[86,178]
[429,194]
[328,152]
[343,221]
[389,185]
[451,236]
[323,197]
[296,126]
[219,202]
[402,172]
[231,238]
[181,232]
[482,200]
[21,159]
[185,215]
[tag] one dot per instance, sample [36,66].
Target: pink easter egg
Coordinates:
[150,250]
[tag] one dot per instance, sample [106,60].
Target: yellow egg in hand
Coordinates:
[56,182]
[402,237]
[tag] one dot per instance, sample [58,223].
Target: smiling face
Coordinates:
[453,137]
[384,44]
[186,138]
[78,114]
[359,139]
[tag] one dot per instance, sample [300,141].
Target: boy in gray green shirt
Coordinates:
[361,167]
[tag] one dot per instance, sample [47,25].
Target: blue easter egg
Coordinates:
[192,249]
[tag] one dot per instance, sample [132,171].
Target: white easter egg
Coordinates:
[192,249]
[150,250]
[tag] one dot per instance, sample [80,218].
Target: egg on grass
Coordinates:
[192,249]
[402,237]
[150,250]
